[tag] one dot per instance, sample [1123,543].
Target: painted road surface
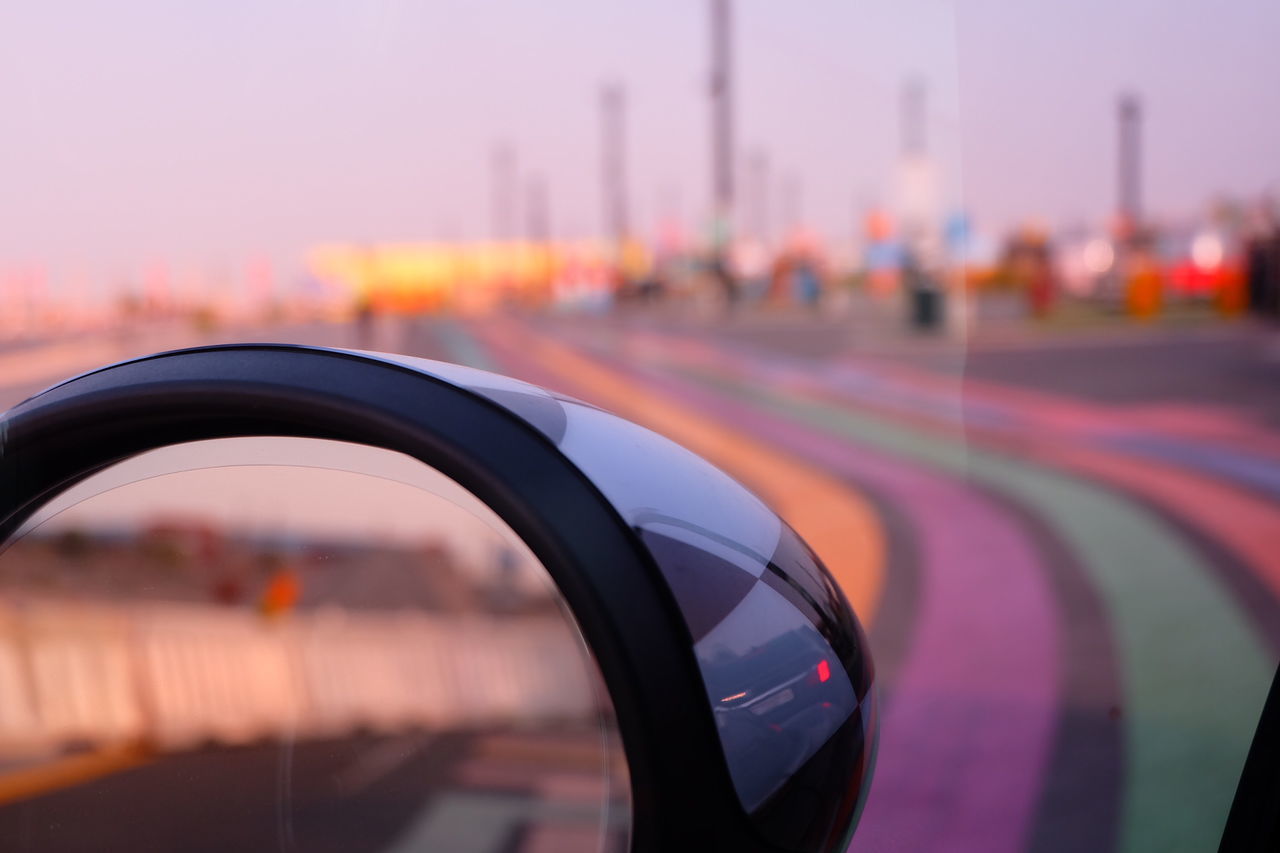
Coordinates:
[1073,598]
[1087,650]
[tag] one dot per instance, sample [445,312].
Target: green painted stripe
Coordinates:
[1195,672]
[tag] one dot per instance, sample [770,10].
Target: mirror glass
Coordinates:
[293,644]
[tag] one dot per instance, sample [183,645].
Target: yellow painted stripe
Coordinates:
[837,522]
[66,772]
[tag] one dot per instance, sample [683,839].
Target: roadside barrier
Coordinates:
[176,676]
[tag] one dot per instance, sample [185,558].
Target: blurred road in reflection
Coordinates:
[483,793]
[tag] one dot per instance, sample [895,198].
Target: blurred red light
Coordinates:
[824,670]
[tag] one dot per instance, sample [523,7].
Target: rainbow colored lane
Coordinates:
[1074,604]
[1074,612]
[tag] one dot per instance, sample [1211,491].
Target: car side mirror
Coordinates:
[280,596]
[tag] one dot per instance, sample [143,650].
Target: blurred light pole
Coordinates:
[916,180]
[613,139]
[921,256]
[722,158]
[1129,189]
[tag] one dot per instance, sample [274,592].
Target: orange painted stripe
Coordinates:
[66,772]
[837,522]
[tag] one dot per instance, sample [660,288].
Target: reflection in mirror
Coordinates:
[293,644]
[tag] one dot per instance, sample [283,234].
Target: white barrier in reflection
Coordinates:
[206,675]
[176,676]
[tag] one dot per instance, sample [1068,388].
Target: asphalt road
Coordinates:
[1233,366]
[1236,369]
[470,793]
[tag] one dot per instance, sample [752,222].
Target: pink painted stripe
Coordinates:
[966,735]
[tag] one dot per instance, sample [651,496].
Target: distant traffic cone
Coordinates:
[282,592]
[1145,293]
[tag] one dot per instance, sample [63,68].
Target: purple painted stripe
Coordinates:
[966,734]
